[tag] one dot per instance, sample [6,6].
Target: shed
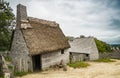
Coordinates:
[83,49]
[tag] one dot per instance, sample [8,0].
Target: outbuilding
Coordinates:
[83,49]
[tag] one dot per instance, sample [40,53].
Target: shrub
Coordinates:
[79,64]
[104,60]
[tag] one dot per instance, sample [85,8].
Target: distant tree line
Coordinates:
[115,45]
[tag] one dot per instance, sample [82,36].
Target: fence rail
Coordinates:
[4,53]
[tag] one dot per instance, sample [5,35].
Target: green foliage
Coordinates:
[6,17]
[104,60]
[69,37]
[82,36]
[115,45]
[102,46]
[8,58]
[79,64]
[20,73]
[1,76]
[10,67]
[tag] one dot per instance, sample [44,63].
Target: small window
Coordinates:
[87,55]
[62,51]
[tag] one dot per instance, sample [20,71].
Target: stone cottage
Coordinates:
[83,49]
[37,44]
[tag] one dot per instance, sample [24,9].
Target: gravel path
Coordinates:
[95,70]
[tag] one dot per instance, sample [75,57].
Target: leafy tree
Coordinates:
[69,38]
[82,36]
[6,17]
[102,46]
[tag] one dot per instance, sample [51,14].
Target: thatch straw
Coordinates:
[44,36]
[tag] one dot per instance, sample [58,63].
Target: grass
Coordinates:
[1,76]
[79,64]
[10,67]
[106,60]
[8,58]
[20,73]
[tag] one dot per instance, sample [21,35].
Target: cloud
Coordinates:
[99,18]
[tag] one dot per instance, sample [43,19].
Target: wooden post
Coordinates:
[0,65]
[20,65]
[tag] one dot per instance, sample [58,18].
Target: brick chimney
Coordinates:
[21,15]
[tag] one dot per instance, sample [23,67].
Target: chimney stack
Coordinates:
[1,1]
[21,15]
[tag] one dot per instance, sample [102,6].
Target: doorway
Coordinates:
[36,62]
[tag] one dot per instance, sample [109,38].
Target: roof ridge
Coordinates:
[42,21]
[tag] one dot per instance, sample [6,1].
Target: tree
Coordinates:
[82,36]
[6,17]
[102,46]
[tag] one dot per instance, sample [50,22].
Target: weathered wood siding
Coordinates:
[85,46]
[53,58]
[74,57]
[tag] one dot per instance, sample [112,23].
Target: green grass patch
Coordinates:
[117,58]
[8,58]
[1,77]
[105,60]
[10,67]
[79,64]
[21,73]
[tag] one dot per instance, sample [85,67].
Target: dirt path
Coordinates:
[96,70]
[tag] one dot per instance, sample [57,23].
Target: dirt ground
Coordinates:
[95,70]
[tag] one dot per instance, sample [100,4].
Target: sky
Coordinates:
[98,18]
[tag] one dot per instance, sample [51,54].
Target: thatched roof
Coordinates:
[83,45]
[43,36]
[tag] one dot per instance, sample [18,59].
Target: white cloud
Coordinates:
[77,17]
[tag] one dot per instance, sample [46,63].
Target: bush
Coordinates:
[79,65]
[104,60]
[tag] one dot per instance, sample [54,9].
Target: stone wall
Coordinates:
[53,58]
[21,15]
[115,55]
[19,53]
[4,53]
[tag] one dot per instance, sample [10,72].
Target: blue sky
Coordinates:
[99,18]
